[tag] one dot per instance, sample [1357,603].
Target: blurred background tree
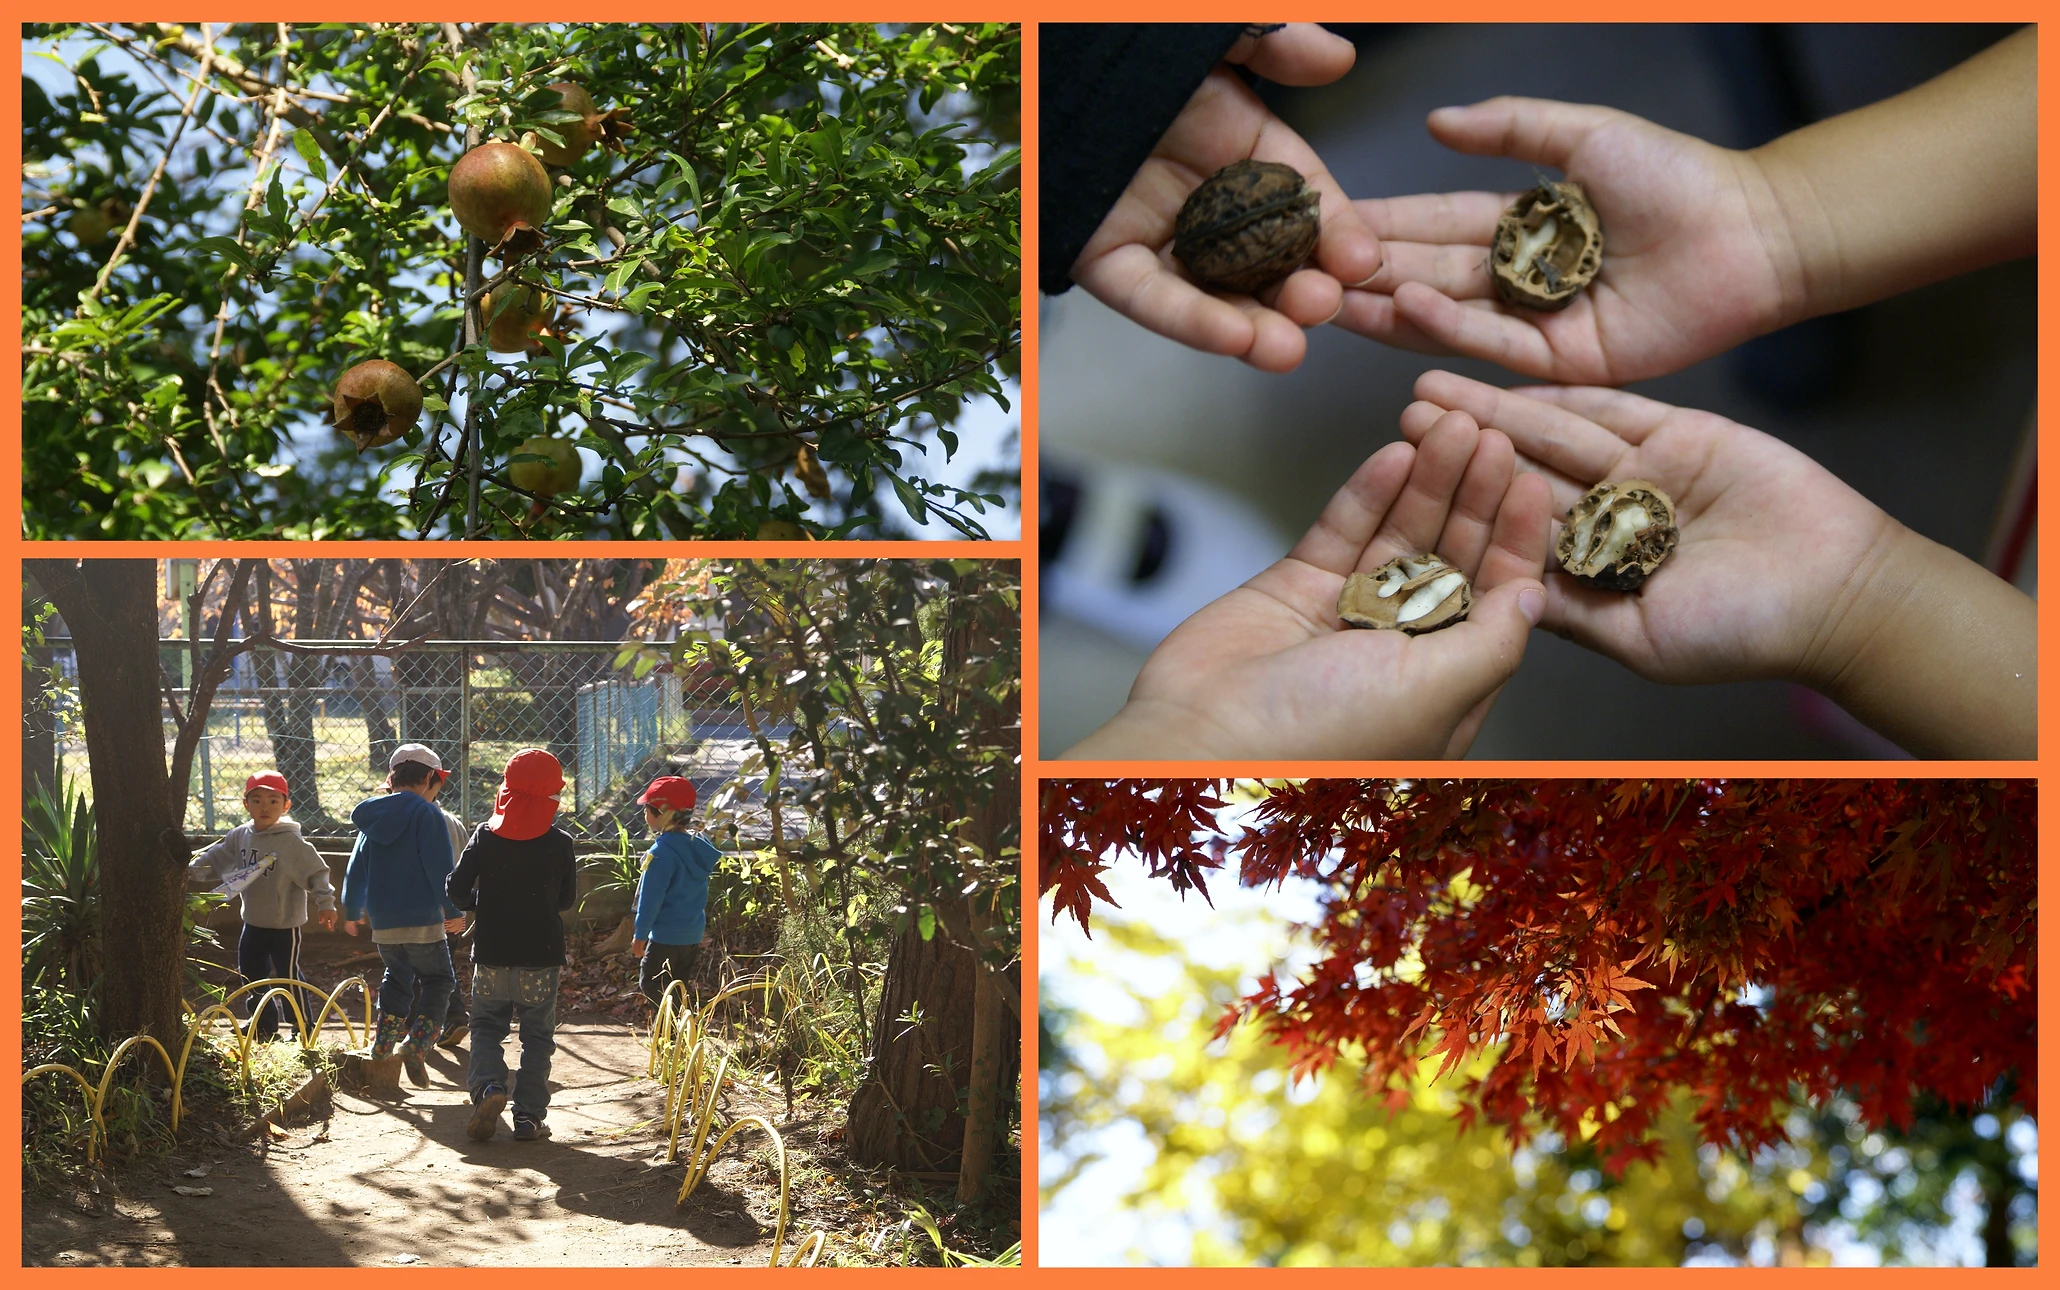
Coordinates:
[768,317]
[1209,1140]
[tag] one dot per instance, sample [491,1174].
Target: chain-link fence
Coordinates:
[328,720]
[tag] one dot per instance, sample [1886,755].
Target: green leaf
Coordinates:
[311,152]
[223,248]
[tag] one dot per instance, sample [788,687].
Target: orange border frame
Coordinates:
[13,549]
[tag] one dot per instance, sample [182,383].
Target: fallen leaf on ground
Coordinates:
[198,1171]
[194,1191]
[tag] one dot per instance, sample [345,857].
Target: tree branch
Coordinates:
[128,238]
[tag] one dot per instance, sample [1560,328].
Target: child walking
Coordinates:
[396,882]
[272,870]
[516,876]
[455,1012]
[672,895]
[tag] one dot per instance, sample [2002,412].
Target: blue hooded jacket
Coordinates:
[672,896]
[400,863]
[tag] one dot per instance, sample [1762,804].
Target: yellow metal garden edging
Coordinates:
[282,987]
[680,1061]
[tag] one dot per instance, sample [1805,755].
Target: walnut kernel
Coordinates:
[1618,533]
[1414,594]
[1548,246]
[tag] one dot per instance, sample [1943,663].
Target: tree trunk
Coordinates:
[909,1112]
[1998,1190]
[289,707]
[379,740]
[38,723]
[982,1124]
[969,644]
[111,608]
[290,722]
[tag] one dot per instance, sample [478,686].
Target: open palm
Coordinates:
[1269,671]
[1128,264]
[1694,259]
[1772,548]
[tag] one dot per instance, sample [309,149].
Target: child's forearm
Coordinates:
[1144,729]
[1937,653]
[1933,182]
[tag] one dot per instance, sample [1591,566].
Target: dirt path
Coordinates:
[399,1182]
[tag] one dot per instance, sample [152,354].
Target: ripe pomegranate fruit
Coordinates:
[560,474]
[515,330]
[593,127]
[376,402]
[501,195]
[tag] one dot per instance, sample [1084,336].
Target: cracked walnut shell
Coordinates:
[1414,594]
[1618,533]
[1248,226]
[1548,246]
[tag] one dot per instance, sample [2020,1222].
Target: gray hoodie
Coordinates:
[279,896]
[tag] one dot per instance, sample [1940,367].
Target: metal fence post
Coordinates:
[207,781]
[465,733]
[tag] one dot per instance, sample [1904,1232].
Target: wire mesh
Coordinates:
[329,722]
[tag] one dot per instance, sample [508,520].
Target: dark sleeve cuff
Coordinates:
[1105,93]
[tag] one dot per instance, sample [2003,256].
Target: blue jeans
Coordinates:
[501,996]
[405,965]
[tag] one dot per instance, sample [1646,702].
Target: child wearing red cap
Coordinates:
[516,876]
[271,870]
[672,896]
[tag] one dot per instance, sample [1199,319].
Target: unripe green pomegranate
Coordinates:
[91,224]
[376,403]
[560,474]
[501,195]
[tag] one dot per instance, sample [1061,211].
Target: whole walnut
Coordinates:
[1248,226]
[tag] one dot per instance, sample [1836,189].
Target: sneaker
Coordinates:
[486,1113]
[528,1130]
[453,1035]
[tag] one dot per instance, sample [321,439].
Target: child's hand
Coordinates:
[636,949]
[1696,253]
[1772,544]
[1269,671]
[350,927]
[325,920]
[1781,571]
[452,926]
[1128,264]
